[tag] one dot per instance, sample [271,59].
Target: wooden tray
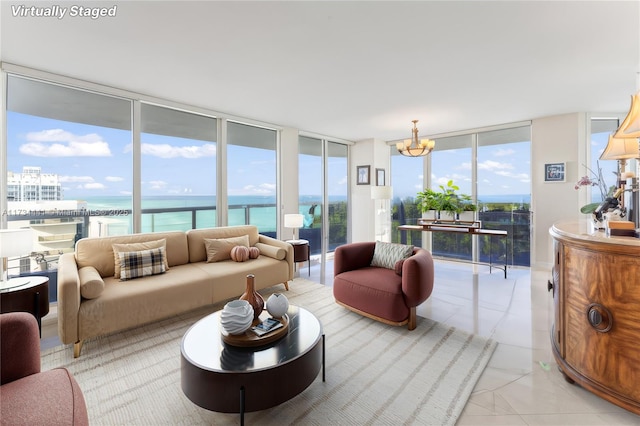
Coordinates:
[249,339]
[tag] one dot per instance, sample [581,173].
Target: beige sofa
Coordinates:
[189,283]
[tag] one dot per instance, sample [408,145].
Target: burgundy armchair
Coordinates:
[28,396]
[386,295]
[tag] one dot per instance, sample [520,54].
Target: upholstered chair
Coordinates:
[27,395]
[388,294]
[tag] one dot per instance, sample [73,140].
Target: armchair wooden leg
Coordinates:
[77,347]
[412,319]
[286,285]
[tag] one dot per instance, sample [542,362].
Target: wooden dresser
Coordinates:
[596,293]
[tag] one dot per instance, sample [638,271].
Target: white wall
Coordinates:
[554,139]
[289,177]
[374,153]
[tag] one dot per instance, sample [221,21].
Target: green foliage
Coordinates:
[446,200]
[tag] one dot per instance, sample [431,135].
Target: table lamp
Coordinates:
[294,221]
[13,243]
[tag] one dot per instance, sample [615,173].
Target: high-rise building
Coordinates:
[33,185]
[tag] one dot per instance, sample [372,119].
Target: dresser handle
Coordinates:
[599,317]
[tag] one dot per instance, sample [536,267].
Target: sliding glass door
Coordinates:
[251,177]
[323,194]
[178,170]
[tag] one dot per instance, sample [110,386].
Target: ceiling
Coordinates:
[350,70]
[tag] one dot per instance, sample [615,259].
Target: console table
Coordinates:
[470,228]
[596,295]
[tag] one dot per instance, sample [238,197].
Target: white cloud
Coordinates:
[268,186]
[504,152]
[262,189]
[74,179]
[114,179]
[168,151]
[94,185]
[522,177]
[494,165]
[157,184]
[60,143]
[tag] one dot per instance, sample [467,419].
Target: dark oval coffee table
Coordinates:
[229,379]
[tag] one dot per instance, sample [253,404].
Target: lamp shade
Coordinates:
[293,220]
[15,242]
[381,192]
[620,149]
[630,127]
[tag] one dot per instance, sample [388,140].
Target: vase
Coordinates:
[253,297]
[277,305]
[236,317]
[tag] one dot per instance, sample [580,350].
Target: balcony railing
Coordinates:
[57,232]
[517,245]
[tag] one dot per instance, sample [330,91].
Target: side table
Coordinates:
[32,297]
[301,252]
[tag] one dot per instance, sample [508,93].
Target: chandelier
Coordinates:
[414,147]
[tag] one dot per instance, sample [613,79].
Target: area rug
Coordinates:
[375,374]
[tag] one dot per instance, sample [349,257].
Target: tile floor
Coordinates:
[521,385]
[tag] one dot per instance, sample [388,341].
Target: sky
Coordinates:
[502,170]
[96,161]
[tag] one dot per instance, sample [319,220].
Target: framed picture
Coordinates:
[363,175]
[554,172]
[379,177]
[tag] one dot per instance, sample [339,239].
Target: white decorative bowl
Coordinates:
[277,305]
[236,316]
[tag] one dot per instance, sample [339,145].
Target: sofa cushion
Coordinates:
[374,290]
[91,283]
[133,247]
[98,251]
[277,253]
[385,255]
[195,238]
[135,264]
[220,248]
[126,304]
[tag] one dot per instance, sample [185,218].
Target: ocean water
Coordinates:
[256,210]
[244,209]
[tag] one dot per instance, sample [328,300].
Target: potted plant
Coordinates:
[446,200]
[428,202]
[467,208]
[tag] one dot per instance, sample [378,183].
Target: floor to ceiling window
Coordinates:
[323,181]
[178,169]
[504,193]
[605,170]
[337,185]
[497,178]
[251,177]
[451,162]
[310,191]
[407,179]
[69,166]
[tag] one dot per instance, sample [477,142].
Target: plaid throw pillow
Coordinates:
[385,255]
[136,264]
